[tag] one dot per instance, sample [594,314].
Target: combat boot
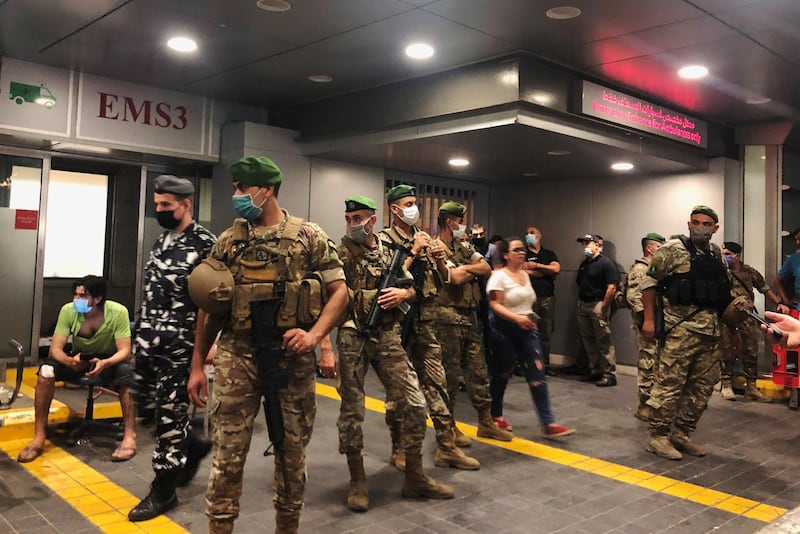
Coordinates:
[419,485]
[220,527]
[452,456]
[751,392]
[727,390]
[286,522]
[643,412]
[197,449]
[398,459]
[357,496]
[161,498]
[488,429]
[683,442]
[461,440]
[660,446]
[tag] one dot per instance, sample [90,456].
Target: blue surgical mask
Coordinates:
[530,240]
[81,305]
[245,208]
[729,260]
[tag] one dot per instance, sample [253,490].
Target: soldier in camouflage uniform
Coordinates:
[366,260]
[427,265]
[745,279]
[269,253]
[688,270]
[648,348]
[164,342]
[456,323]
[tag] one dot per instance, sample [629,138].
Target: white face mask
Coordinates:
[410,215]
[587,251]
[461,232]
[357,233]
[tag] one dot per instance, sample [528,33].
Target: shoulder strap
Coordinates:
[688,245]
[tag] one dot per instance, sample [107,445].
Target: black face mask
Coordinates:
[479,242]
[167,219]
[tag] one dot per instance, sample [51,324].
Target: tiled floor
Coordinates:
[599,480]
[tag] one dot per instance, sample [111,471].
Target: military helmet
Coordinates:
[736,312]
[211,287]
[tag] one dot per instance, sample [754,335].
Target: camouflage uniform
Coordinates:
[237,387]
[458,335]
[744,281]
[648,349]
[383,349]
[165,339]
[423,346]
[688,364]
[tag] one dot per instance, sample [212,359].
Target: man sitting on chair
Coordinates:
[101,341]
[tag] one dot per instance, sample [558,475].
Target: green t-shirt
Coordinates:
[116,325]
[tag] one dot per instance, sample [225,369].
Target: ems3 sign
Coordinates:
[126,109]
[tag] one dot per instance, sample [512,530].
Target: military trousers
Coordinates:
[545,308]
[686,372]
[463,355]
[235,403]
[595,331]
[385,353]
[425,353]
[748,354]
[648,359]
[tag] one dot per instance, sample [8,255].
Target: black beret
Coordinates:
[734,247]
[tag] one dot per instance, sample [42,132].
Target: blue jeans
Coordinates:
[512,344]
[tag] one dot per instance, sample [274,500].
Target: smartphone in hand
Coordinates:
[777,334]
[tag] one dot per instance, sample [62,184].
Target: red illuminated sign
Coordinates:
[627,110]
[26,219]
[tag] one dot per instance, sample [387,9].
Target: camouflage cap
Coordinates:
[400,191]
[652,236]
[359,202]
[734,247]
[453,208]
[252,170]
[167,183]
[705,210]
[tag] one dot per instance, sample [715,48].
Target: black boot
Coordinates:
[161,498]
[197,449]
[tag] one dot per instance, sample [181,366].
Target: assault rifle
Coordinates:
[392,277]
[417,271]
[268,354]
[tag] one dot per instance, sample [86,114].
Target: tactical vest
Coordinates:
[427,280]
[706,285]
[363,287]
[261,272]
[467,295]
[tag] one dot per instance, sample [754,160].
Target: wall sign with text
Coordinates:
[35,98]
[627,110]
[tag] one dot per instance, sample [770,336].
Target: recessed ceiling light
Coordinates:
[622,166]
[419,51]
[562,12]
[182,44]
[529,174]
[757,101]
[763,157]
[459,162]
[277,6]
[558,152]
[693,72]
[320,78]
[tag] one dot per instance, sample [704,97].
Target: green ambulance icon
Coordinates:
[35,94]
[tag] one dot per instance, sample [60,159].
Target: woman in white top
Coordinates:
[515,338]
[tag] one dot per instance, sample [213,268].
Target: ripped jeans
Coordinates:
[510,344]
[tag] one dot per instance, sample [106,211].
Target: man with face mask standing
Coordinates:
[427,265]
[366,259]
[597,284]
[271,257]
[542,266]
[691,275]
[164,341]
[456,323]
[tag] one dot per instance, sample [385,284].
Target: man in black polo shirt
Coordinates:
[597,283]
[542,266]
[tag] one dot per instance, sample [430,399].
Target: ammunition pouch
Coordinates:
[301,302]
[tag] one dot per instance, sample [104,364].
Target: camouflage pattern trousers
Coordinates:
[425,353]
[687,369]
[648,360]
[748,353]
[235,402]
[462,349]
[385,352]
[161,387]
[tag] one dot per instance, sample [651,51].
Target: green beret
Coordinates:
[252,170]
[705,210]
[453,208]
[652,236]
[400,191]
[358,202]
[736,248]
